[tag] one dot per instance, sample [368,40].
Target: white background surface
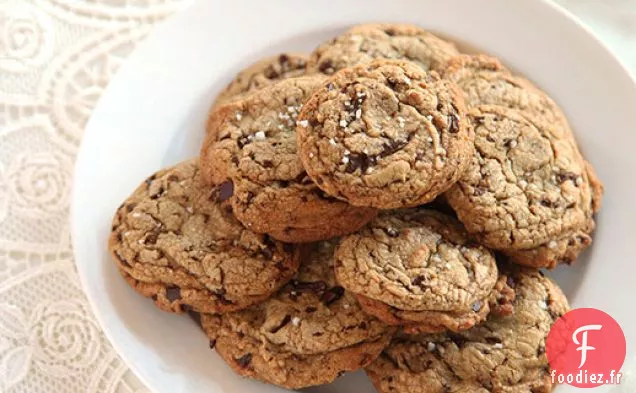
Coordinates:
[56,57]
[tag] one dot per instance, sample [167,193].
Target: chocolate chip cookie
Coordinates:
[252,144]
[527,188]
[262,74]
[505,354]
[365,43]
[308,334]
[485,81]
[418,268]
[176,241]
[385,135]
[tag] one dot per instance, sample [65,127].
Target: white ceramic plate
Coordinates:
[153,112]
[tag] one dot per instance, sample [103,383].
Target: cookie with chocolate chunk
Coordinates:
[364,43]
[261,74]
[308,334]
[251,143]
[528,191]
[505,354]
[385,135]
[176,241]
[419,269]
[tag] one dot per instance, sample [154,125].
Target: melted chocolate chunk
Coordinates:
[173,294]
[360,161]
[565,176]
[326,67]
[332,295]
[226,190]
[282,324]
[244,360]
[493,340]
[418,281]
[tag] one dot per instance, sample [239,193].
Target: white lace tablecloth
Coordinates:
[56,57]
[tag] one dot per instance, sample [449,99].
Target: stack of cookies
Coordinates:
[384,203]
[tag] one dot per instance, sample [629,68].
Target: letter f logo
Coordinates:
[583,344]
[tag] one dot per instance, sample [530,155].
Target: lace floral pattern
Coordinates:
[56,57]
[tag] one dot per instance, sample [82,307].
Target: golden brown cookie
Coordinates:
[419,269]
[527,191]
[505,354]
[252,144]
[308,334]
[364,43]
[385,135]
[176,241]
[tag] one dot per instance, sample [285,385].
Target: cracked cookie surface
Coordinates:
[261,74]
[252,143]
[485,81]
[419,269]
[176,241]
[527,185]
[385,135]
[505,354]
[365,43]
[307,334]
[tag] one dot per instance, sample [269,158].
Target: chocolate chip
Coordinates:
[453,124]
[476,306]
[310,309]
[390,32]
[317,287]
[159,192]
[220,295]
[173,293]
[493,340]
[363,325]
[212,344]
[359,161]
[565,176]
[283,59]
[393,146]
[226,190]
[282,324]
[130,207]
[267,164]
[271,73]
[479,191]
[249,197]
[440,106]
[152,237]
[267,253]
[326,67]
[151,179]
[317,334]
[548,203]
[244,360]
[332,295]
[417,281]
[195,316]
[540,351]
[154,297]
